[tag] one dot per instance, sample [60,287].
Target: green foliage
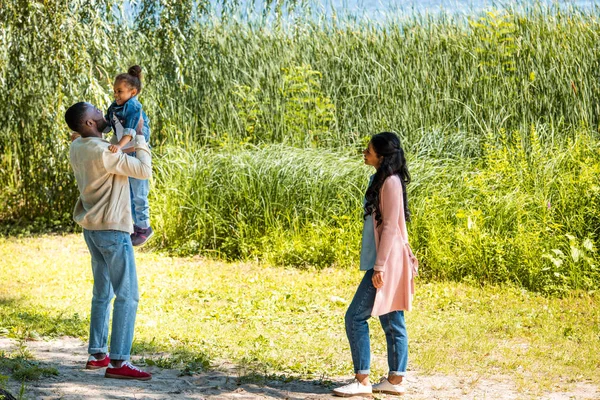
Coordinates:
[307,112]
[30,322]
[498,116]
[320,245]
[185,360]
[272,202]
[497,48]
[21,366]
[35,91]
[525,212]
[289,322]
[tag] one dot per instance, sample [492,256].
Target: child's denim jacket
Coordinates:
[123,119]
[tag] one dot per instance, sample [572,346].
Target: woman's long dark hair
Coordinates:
[387,145]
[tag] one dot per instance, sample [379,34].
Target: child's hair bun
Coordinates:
[135,70]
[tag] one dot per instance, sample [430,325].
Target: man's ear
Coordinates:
[90,122]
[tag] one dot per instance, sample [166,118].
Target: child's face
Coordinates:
[123,92]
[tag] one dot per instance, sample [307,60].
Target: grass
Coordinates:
[289,322]
[312,84]
[254,202]
[21,365]
[524,212]
[252,124]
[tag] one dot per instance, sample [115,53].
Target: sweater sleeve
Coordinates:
[391,207]
[139,167]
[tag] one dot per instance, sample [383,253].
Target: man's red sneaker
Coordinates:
[127,371]
[94,363]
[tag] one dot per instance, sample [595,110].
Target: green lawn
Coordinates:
[288,321]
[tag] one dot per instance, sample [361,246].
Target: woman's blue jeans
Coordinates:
[113,268]
[357,330]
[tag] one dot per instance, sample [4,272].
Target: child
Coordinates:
[123,116]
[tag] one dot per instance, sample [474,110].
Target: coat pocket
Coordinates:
[414,262]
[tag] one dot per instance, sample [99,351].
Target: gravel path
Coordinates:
[68,355]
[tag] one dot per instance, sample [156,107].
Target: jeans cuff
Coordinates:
[397,373]
[363,372]
[120,357]
[96,350]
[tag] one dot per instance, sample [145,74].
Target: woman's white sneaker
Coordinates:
[384,386]
[354,389]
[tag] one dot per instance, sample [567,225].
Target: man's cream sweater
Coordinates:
[102,179]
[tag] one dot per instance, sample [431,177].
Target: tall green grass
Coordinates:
[526,215]
[287,205]
[305,83]
[252,125]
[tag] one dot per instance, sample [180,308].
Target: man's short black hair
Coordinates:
[74,115]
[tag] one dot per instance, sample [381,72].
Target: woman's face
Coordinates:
[371,158]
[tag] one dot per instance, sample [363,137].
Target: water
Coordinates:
[378,9]
[385,10]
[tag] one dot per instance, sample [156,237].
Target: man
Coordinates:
[104,212]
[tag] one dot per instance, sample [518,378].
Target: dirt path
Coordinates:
[68,355]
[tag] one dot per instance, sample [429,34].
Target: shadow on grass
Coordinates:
[196,380]
[219,379]
[19,320]
[33,228]
[177,373]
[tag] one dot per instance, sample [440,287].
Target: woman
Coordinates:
[387,287]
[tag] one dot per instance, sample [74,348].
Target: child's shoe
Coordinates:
[141,235]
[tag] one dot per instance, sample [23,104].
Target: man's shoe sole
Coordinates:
[93,367]
[113,376]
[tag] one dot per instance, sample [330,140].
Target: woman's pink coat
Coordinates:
[394,256]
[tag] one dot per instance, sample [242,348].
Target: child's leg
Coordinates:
[140,208]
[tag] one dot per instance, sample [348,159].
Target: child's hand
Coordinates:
[114,148]
[75,135]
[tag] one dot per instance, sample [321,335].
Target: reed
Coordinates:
[254,122]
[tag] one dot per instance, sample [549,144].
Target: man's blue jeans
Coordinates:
[357,330]
[140,208]
[113,268]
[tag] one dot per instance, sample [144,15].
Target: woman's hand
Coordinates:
[377,279]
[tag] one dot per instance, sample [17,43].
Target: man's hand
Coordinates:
[377,279]
[75,135]
[114,148]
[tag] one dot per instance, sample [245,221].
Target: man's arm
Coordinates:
[140,166]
